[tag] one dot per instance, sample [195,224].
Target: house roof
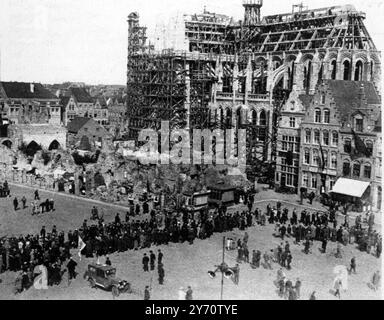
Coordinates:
[23,90]
[81,95]
[347,95]
[76,124]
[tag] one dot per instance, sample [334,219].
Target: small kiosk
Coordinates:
[221,194]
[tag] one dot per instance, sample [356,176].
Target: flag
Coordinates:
[81,246]
[360,146]
[322,157]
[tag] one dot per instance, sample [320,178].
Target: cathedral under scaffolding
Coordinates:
[221,73]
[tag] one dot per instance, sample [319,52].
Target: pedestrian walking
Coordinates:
[108,262]
[37,197]
[338,285]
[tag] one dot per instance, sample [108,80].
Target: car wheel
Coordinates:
[115,291]
[92,283]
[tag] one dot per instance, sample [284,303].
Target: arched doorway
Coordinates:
[54,145]
[7,143]
[32,148]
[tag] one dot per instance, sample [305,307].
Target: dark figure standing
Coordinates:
[152,259]
[160,270]
[147,295]
[159,257]
[24,202]
[37,197]
[108,262]
[145,262]
[71,265]
[15,204]
[353,265]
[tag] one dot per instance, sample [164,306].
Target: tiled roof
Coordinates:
[23,90]
[81,95]
[76,124]
[347,95]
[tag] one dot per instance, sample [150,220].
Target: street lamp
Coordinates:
[225,271]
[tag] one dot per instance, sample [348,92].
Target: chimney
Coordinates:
[32,87]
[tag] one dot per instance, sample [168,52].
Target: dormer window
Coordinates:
[359,124]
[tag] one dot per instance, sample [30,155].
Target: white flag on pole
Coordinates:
[81,246]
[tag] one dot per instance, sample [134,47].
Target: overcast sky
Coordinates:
[52,41]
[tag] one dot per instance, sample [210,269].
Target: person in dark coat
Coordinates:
[71,265]
[159,257]
[152,257]
[324,245]
[15,204]
[145,263]
[108,262]
[161,272]
[353,265]
[147,295]
[188,295]
[37,197]
[24,202]
[289,260]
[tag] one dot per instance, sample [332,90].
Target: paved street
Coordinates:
[188,264]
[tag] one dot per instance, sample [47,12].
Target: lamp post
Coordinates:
[223,267]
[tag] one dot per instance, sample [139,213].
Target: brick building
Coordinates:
[334,133]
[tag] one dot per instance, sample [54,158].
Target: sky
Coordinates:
[53,41]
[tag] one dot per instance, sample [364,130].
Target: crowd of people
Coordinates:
[52,249]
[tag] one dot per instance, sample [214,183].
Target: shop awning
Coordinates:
[350,187]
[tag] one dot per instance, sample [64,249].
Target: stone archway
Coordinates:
[7,143]
[32,148]
[54,145]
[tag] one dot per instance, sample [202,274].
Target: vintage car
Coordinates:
[104,276]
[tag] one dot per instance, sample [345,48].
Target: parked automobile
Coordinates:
[104,276]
